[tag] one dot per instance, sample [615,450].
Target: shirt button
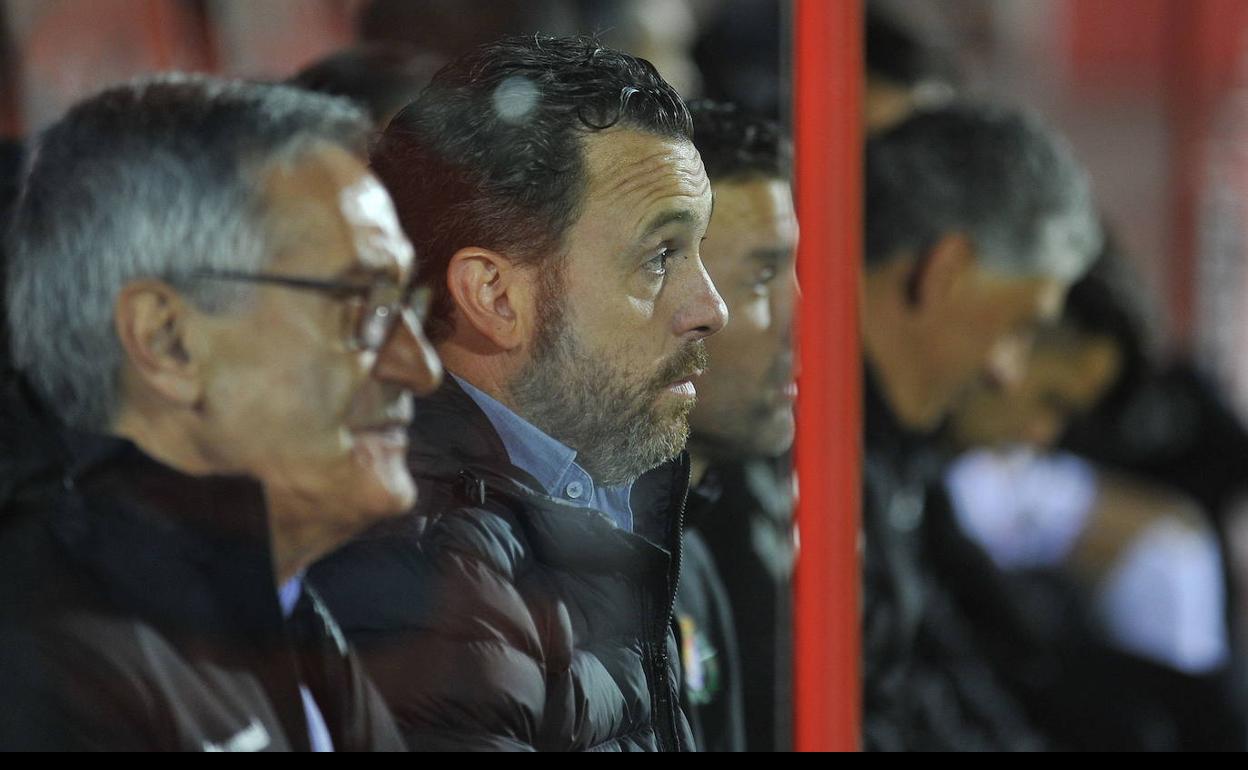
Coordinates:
[575,490]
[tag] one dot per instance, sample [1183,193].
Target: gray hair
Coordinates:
[999,176]
[158,178]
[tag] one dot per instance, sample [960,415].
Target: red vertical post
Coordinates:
[828,133]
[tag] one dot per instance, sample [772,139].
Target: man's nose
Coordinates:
[703,312]
[407,358]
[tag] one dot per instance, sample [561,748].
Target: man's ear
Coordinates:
[937,274]
[151,320]
[492,294]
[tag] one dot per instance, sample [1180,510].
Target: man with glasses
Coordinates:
[212,295]
[558,204]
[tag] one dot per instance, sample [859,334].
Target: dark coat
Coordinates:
[711,665]
[498,618]
[746,520]
[1037,629]
[927,686]
[138,612]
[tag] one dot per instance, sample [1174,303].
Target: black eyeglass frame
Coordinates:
[377,320]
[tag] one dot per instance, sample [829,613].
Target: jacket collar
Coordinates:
[191,554]
[31,439]
[453,443]
[907,451]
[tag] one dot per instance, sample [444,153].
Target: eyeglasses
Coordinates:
[376,307]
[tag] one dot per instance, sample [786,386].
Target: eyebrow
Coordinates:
[771,256]
[675,216]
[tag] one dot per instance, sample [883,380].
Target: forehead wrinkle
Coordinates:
[641,171]
[677,158]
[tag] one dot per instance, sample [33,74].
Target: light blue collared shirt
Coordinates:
[552,463]
[318,732]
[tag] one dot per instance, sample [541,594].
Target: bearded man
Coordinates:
[558,205]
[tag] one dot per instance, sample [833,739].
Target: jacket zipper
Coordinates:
[666,717]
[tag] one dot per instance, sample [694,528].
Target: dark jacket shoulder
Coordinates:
[512,620]
[138,611]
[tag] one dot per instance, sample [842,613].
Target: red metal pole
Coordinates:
[828,78]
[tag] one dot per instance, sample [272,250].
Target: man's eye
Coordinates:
[657,264]
[763,278]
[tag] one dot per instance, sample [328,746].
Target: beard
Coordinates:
[591,402]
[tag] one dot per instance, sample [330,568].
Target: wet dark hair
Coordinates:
[736,145]
[491,153]
[382,78]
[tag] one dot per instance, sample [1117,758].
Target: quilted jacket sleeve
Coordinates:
[456,652]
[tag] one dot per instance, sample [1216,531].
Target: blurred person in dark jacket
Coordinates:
[452,28]
[553,191]
[905,72]
[381,78]
[978,221]
[208,301]
[741,506]
[1099,593]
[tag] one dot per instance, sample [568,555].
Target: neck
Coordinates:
[699,464]
[169,441]
[889,346]
[296,543]
[488,372]
[164,439]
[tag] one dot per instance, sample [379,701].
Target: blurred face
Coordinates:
[982,336]
[289,398]
[1068,375]
[886,103]
[745,401]
[617,355]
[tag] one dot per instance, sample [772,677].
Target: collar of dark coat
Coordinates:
[192,554]
[453,444]
[31,439]
[906,452]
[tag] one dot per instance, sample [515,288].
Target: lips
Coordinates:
[392,434]
[390,425]
[687,379]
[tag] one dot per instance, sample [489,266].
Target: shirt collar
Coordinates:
[552,463]
[288,595]
[529,449]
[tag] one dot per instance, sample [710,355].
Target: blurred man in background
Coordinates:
[382,78]
[1099,596]
[743,425]
[209,293]
[978,221]
[558,203]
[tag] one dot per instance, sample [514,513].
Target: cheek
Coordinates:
[740,357]
[288,405]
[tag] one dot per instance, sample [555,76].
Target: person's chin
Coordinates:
[381,456]
[383,497]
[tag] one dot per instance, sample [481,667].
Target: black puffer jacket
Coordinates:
[498,618]
[138,610]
